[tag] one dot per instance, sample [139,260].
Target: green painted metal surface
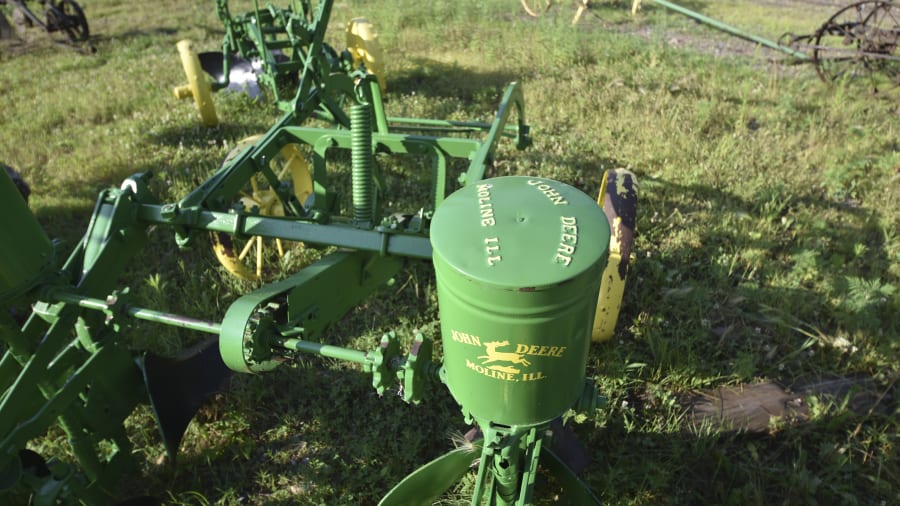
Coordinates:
[259,326]
[68,367]
[518,264]
[25,252]
[425,485]
[718,25]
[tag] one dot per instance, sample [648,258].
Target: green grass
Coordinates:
[768,243]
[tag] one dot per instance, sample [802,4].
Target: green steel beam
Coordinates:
[336,234]
[732,30]
[111,305]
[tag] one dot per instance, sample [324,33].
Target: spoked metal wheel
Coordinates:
[246,258]
[862,41]
[73,22]
[536,7]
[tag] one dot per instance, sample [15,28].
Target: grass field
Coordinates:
[768,243]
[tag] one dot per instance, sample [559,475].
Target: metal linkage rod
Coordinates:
[732,30]
[325,350]
[382,241]
[113,305]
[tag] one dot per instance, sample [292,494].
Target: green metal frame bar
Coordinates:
[513,98]
[109,306]
[381,240]
[229,180]
[718,25]
[89,383]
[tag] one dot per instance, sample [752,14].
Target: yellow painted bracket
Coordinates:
[618,198]
[198,85]
[363,45]
[635,7]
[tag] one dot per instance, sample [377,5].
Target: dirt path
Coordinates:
[709,40]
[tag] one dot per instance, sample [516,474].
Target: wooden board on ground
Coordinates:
[755,407]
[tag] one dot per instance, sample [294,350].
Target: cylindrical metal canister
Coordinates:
[25,251]
[518,263]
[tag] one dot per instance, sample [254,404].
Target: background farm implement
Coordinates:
[64,16]
[282,51]
[860,41]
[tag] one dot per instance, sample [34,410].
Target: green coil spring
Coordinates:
[362,159]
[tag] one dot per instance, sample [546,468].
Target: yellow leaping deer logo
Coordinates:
[502,356]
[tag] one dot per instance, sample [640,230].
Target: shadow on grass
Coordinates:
[323,436]
[801,464]
[315,432]
[726,285]
[785,291]
[195,136]
[435,79]
[326,436]
[69,221]
[102,41]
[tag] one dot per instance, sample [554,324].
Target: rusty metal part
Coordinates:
[861,40]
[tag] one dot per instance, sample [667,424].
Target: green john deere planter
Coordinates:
[518,262]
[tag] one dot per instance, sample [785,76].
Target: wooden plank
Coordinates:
[754,407]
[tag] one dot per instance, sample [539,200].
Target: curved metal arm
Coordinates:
[485,155]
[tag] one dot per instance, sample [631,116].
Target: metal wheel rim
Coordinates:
[536,8]
[235,256]
[73,22]
[857,56]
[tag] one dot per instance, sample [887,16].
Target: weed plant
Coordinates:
[768,244]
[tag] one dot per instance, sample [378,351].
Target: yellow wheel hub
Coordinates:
[246,260]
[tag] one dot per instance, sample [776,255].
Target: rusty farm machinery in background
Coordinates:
[64,16]
[860,41]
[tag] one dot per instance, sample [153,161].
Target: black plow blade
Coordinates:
[178,387]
